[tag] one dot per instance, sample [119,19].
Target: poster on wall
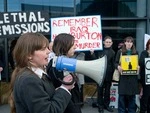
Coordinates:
[86,30]
[13,24]
[147,71]
[146,38]
[129,64]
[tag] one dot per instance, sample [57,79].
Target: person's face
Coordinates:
[40,57]
[128,44]
[71,51]
[108,43]
[50,46]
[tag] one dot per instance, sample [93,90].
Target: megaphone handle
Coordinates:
[68,83]
[65,83]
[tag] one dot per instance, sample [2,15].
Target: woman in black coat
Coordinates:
[128,84]
[63,45]
[31,90]
[145,97]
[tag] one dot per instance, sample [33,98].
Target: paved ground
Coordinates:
[85,109]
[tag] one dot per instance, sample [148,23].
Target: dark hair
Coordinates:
[129,39]
[62,43]
[147,44]
[107,37]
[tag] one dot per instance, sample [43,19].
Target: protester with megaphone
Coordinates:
[31,90]
[63,45]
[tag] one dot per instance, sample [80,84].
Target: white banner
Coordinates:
[146,38]
[86,30]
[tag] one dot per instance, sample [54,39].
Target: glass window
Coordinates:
[1,5]
[108,8]
[126,9]
[56,8]
[118,30]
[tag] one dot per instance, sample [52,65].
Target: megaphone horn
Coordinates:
[94,69]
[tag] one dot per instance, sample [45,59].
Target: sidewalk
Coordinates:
[85,109]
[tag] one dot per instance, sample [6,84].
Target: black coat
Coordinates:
[128,84]
[73,106]
[38,95]
[109,52]
[146,88]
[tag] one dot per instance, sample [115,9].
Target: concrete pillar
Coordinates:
[148,15]
[141,25]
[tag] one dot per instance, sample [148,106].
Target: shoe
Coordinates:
[109,109]
[95,105]
[100,109]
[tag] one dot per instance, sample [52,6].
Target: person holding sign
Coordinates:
[144,71]
[31,89]
[1,69]
[128,84]
[63,45]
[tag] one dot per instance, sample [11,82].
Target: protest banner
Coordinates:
[13,24]
[129,64]
[147,71]
[146,38]
[85,29]
[114,95]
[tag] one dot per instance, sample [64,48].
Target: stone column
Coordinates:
[140,25]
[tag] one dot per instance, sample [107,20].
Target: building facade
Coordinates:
[119,18]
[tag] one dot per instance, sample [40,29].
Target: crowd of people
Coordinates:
[38,87]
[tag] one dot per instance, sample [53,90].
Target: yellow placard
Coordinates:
[129,64]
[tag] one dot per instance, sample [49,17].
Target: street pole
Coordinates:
[6,68]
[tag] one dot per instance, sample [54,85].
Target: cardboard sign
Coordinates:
[129,64]
[114,95]
[146,38]
[147,71]
[13,24]
[85,29]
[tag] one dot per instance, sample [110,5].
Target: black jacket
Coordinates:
[128,84]
[73,106]
[146,88]
[35,95]
[109,52]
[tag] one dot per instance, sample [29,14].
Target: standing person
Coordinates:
[31,90]
[104,89]
[10,54]
[80,77]
[145,97]
[63,45]
[51,54]
[1,66]
[128,84]
[1,69]
[2,62]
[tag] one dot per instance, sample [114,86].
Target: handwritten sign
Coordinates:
[16,23]
[85,29]
[129,64]
[146,38]
[114,95]
[147,71]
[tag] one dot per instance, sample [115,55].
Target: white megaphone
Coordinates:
[95,69]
